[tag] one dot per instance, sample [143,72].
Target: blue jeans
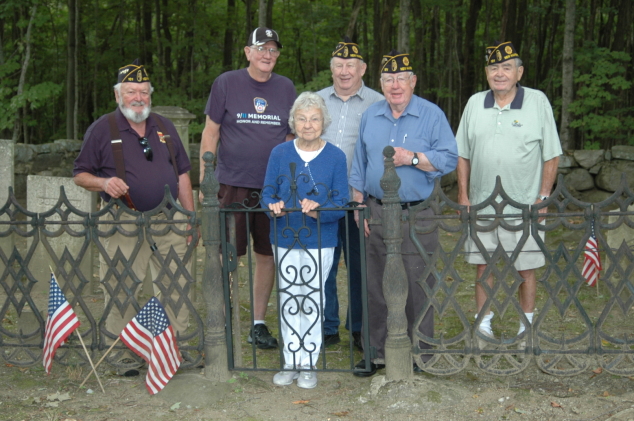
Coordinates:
[353,263]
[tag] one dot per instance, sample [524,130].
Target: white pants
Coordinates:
[301,293]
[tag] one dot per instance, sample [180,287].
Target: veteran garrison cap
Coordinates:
[500,52]
[347,49]
[262,35]
[134,73]
[395,62]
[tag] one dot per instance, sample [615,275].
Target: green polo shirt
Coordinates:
[512,142]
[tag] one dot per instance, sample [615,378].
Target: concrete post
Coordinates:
[7,176]
[215,340]
[398,358]
[181,118]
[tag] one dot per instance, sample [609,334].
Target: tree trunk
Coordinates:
[262,13]
[248,5]
[25,66]
[468,67]
[269,14]
[567,80]
[70,69]
[418,50]
[403,26]
[168,43]
[75,74]
[159,42]
[623,26]
[508,21]
[146,47]
[227,58]
[354,14]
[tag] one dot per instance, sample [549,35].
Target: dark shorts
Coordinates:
[259,222]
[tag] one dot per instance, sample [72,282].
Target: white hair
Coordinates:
[117,88]
[305,101]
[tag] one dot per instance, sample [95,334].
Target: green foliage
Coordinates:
[600,77]
[322,80]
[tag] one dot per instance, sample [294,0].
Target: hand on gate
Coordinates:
[276,208]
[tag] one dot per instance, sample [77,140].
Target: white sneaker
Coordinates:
[286,377]
[307,380]
[482,344]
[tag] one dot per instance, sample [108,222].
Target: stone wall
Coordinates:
[56,160]
[593,176]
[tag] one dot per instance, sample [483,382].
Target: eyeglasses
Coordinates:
[339,67]
[147,149]
[303,121]
[262,50]
[389,81]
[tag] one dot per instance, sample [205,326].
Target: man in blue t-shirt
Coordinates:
[247,116]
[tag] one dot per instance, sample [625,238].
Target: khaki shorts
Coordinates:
[530,257]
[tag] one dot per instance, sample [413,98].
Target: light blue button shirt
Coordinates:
[422,127]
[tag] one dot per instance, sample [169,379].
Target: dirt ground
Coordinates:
[28,394]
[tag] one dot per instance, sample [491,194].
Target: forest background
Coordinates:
[58,59]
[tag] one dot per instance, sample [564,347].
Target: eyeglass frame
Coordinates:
[401,80]
[261,50]
[147,149]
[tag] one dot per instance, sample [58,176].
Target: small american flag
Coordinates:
[150,335]
[592,260]
[60,323]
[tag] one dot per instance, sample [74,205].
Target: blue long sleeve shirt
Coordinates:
[422,127]
[323,179]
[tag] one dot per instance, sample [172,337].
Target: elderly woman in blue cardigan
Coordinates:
[303,175]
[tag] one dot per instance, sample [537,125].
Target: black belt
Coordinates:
[404,205]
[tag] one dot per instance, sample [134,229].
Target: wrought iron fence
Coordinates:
[120,239]
[575,326]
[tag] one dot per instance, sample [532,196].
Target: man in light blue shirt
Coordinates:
[346,100]
[425,148]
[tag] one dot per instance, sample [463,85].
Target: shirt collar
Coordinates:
[489,100]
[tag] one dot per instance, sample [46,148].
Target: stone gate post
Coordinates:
[398,359]
[215,340]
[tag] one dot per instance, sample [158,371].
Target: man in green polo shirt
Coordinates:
[507,131]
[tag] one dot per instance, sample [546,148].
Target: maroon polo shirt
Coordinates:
[147,179]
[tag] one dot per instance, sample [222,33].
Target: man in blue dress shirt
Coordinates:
[425,149]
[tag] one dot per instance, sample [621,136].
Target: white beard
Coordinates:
[134,116]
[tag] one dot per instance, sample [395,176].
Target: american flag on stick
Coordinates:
[60,323]
[150,335]
[592,260]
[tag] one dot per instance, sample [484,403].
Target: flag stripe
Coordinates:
[60,323]
[591,261]
[150,335]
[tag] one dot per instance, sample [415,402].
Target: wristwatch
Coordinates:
[415,159]
[542,198]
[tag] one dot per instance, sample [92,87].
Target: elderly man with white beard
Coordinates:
[132,154]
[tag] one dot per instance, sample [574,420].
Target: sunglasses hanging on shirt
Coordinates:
[147,149]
